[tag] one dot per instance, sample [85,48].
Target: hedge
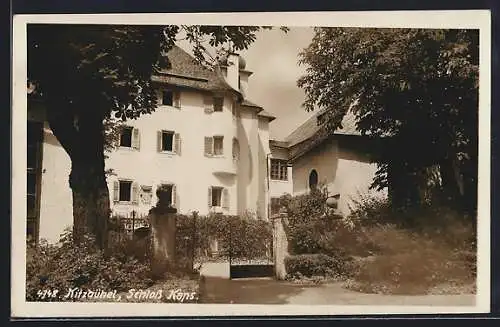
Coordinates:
[311,265]
[241,237]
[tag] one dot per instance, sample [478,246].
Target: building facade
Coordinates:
[341,163]
[205,145]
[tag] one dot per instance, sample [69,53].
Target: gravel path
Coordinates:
[218,288]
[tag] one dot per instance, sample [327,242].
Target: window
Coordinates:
[170,98]
[279,170]
[167,98]
[236,149]
[34,157]
[130,137]
[216,196]
[167,141]
[214,146]
[126,137]
[313,179]
[218,103]
[233,109]
[218,145]
[125,191]
[168,193]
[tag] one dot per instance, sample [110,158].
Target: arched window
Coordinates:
[313,179]
[236,149]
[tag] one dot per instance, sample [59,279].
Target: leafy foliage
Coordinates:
[310,265]
[311,227]
[416,88]
[414,251]
[67,265]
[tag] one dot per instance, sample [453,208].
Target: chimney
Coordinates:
[233,71]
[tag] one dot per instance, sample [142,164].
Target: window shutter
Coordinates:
[136,139]
[158,141]
[225,198]
[116,191]
[209,146]
[174,196]
[135,193]
[208,104]
[177,143]
[210,197]
[177,99]
[159,97]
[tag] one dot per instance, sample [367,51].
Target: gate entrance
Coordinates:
[252,267]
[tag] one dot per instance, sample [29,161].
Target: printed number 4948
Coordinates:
[42,294]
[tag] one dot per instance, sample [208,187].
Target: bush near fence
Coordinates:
[239,237]
[386,251]
[68,265]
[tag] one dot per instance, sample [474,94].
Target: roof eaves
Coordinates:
[267,115]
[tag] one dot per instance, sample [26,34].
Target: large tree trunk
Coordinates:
[450,183]
[90,201]
[403,187]
[83,140]
[88,181]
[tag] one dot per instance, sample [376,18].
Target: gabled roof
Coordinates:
[309,135]
[184,71]
[311,127]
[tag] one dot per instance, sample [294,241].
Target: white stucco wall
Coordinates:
[248,173]
[191,171]
[264,152]
[56,201]
[341,170]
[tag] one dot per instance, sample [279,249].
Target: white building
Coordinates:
[206,143]
[341,162]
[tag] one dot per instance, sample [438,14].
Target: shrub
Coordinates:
[244,237]
[310,265]
[67,265]
[415,250]
[404,251]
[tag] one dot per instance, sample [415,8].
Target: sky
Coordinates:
[273,59]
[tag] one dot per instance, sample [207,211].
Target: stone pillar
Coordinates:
[280,244]
[163,229]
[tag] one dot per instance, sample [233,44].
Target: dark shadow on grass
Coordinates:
[247,291]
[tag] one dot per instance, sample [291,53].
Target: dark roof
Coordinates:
[311,128]
[184,71]
[308,135]
[279,144]
[248,103]
[266,114]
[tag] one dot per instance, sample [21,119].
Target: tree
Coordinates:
[89,74]
[415,89]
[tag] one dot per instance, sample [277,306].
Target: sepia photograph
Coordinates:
[246,164]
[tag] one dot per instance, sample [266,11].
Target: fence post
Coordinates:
[133,222]
[280,244]
[163,229]
[193,254]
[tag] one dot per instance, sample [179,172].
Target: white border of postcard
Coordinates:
[470,19]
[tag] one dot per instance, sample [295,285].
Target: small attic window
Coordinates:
[167,97]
